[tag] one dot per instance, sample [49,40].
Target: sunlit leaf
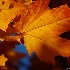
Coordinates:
[39,27]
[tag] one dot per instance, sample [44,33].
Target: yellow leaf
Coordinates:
[2,60]
[9,11]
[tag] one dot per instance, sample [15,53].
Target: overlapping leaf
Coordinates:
[41,27]
[12,11]
[8,11]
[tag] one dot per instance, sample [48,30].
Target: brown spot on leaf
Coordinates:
[11,6]
[3,2]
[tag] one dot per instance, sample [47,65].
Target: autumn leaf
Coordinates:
[2,60]
[7,9]
[42,34]
[17,10]
[42,27]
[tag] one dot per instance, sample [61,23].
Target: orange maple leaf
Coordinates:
[42,34]
[41,27]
